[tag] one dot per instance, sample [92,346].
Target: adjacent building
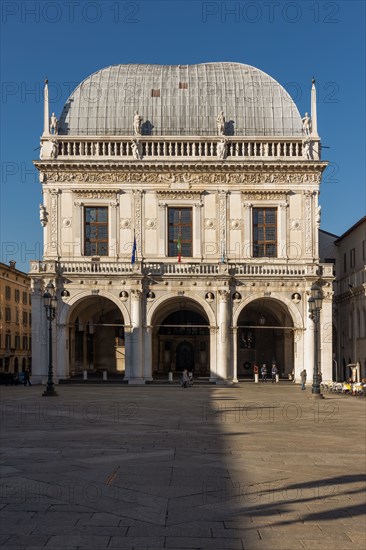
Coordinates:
[181,220]
[15,320]
[348,254]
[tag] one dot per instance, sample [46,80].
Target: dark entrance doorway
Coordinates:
[184,356]
[265,335]
[183,342]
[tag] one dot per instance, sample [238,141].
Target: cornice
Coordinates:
[179,166]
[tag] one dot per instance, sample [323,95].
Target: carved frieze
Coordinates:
[265,196]
[308,224]
[183,179]
[171,195]
[93,194]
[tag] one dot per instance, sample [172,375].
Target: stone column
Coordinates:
[136,375]
[39,335]
[308,241]
[162,225]
[308,363]
[223,337]
[282,242]
[148,354]
[235,354]
[197,240]
[113,229]
[223,223]
[213,353]
[51,242]
[248,237]
[137,226]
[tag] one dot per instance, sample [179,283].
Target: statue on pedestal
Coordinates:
[136,149]
[307,149]
[43,217]
[222,149]
[306,125]
[137,120]
[220,121]
[54,124]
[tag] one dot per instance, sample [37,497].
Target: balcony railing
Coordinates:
[177,148]
[165,269]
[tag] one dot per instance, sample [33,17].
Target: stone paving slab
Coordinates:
[248,467]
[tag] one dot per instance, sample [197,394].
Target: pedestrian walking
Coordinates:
[274,372]
[303,379]
[27,378]
[185,380]
[264,372]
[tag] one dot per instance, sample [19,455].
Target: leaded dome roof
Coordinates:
[182,100]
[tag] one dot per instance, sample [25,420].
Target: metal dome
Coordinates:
[180,100]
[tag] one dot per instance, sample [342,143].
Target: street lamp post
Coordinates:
[315,304]
[50,304]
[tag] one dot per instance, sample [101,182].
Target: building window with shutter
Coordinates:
[180,232]
[264,232]
[96,231]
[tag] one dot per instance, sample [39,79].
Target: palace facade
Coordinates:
[181,221]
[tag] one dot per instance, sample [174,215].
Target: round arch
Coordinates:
[296,316]
[94,327]
[274,339]
[189,296]
[181,336]
[76,299]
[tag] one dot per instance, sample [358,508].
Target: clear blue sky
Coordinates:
[66,41]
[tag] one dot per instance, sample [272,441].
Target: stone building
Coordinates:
[181,216]
[348,253]
[15,320]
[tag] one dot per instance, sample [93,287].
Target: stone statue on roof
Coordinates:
[306,125]
[222,149]
[220,121]
[137,120]
[53,124]
[136,149]
[43,216]
[307,149]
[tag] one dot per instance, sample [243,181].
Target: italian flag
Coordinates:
[179,248]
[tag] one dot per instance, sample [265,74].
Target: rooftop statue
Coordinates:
[307,149]
[54,124]
[220,121]
[137,120]
[221,149]
[43,217]
[306,124]
[136,149]
[49,149]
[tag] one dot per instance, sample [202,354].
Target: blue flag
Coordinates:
[134,248]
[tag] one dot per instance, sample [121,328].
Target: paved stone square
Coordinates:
[250,467]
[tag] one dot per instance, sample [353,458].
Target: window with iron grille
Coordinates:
[7,292]
[7,341]
[17,296]
[96,231]
[8,314]
[180,232]
[264,232]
